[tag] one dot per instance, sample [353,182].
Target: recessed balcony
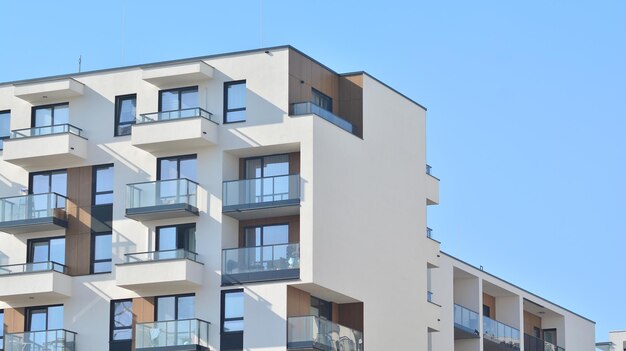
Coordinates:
[49,147]
[178,74]
[44,340]
[34,282]
[173,130]
[262,197]
[314,333]
[532,343]
[44,92]
[432,187]
[178,335]
[309,108]
[433,313]
[499,336]
[157,272]
[260,263]
[431,250]
[465,323]
[33,213]
[163,199]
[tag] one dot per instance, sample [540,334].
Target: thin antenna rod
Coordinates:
[80,61]
[122,30]
[261,23]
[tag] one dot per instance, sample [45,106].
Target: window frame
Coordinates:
[118,113]
[178,158]
[94,184]
[181,240]
[262,226]
[176,297]
[179,91]
[223,318]
[262,158]
[35,108]
[112,327]
[28,315]
[2,330]
[93,260]
[321,96]
[8,136]
[29,248]
[31,175]
[226,109]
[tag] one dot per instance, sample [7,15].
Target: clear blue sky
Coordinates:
[526,120]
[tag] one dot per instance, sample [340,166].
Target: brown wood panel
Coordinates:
[14,320]
[298,302]
[143,312]
[351,315]
[335,312]
[351,101]
[531,321]
[78,233]
[490,301]
[294,163]
[293,221]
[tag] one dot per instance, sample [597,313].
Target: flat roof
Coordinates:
[205,57]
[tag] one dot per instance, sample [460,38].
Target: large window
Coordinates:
[103,185]
[321,308]
[121,320]
[44,318]
[177,167]
[179,307]
[5,127]
[322,100]
[101,253]
[49,182]
[50,115]
[178,99]
[266,235]
[267,166]
[182,236]
[232,311]
[45,250]
[235,101]
[125,114]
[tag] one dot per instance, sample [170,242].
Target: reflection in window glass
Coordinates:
[322,100]
[178,167]
[103,191]
[51,115]
[122,320]
[178,99]
[171,308]
[5,127]
[1,330]
[125,114]
[234,102]
[102,253]
[232,311]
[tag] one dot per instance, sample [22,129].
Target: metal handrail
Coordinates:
[65,128]
[144,118]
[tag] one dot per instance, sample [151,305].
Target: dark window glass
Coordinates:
[267,166]
[121,320]
[102,252]
[103,185]
[321,308]
[48,249]
[322,100]
[169,308]
[182,236]
[5,127]
[486,311]
[178,99]
[125,114]
[49,182]
[178,167]
[44,318]
[1,329]
[267,235]
[235,101]
[50,115]
[232,311]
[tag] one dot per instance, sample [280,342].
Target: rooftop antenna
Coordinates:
[260,23]
[80,61]
[122,29]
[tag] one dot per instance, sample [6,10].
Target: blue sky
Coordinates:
[526,108]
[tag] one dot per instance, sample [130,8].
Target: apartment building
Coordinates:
[254,200]
[617,342]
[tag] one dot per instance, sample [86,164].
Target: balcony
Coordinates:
[34,282]
[180,335]
[499,336]
[432,187]
[175,130]
[465,323]
[532,343]
[431,250]
[33,213]
[432,313]
[261,263]
[45,340]
[262,197]
[309,108]
[170,271]
[173,198]
[50,147]
[181,74]
[313,333]
[44,92]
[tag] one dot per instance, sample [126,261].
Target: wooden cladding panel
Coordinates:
[298,302]
[143,312]
[305,74]
[351,315]
[294,163]
[293,221]
[490,301]
[14,320]
[351,101]
[531,321]
[78,233]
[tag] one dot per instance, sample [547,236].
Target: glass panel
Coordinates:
[189,234]
[102,267]
[253,191]
[101,199]
[236,116]
[61,115]
[276,165]
[169,101]
[166,308]
[188,169]
[103,247]
[59,183]
[169,169]
[172,333]
[55,317]
[128,110]
[39,251]
[186,307]
[233,305]
[254,168]
[325,335]
[57,250]
[276,234]
[41,184]
[166,237]
[43,117]
[233,326]
[253,237]
[104,179]
[122,334]
[1,330]
[161,193]
[236,96]
[5,121]
[189,99]
[37,320]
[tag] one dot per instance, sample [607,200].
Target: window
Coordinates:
[321,308]
[266,235]
[121,320]
[50,115]
[103,185]
[322,100]
[232,311]
[182,236]
[173,308]
[1,329]
[46,250]
[49,182]
[44,318]
[101,253]
[178,99]
[177,167]
[267,166]
[5,125]
[235,101]
[125,113]
[486,311]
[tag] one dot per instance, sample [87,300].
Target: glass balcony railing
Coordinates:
[45,340]
[161,256]
[162,193]
[46,130]
[163,334]
[429,233]
[429,170]
[532,343]
[306,108]
[261,263]
[429,296]
[466,320]
[174,115]
[310,332]
[501,333]
[32,267]
[33,206]
[261,192]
